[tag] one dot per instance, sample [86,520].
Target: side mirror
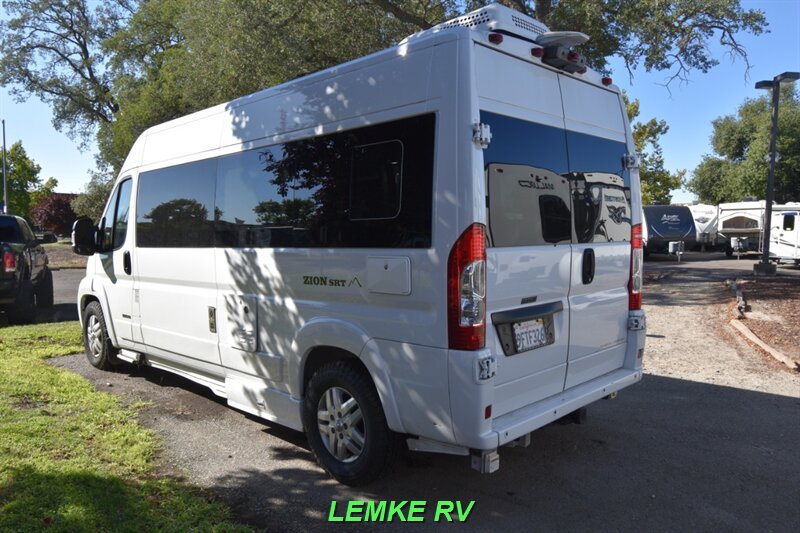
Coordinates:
[84,237]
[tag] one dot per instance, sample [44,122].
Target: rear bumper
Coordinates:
[531,417]
[470,396]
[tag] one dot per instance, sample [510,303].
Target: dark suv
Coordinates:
[25,279]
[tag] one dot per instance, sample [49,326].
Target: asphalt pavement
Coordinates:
[707,441]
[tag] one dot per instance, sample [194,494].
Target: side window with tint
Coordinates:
[175,206]
[369,187]
[115,217]
[121,214]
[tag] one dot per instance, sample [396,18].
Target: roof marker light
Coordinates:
[537,52]
[495,38]
[607,81]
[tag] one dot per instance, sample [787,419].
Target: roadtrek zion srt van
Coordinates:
[438,243]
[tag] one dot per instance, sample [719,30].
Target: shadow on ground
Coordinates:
[668,454]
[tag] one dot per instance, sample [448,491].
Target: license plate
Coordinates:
[531,334]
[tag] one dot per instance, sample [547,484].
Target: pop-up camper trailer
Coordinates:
[746,220]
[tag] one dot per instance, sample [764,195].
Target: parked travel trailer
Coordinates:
[746,220]
[784,242]
[438,244]
[705,224]
[668,223]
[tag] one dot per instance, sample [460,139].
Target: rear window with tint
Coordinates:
[548,186]
[9,231]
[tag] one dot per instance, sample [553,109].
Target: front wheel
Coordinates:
[345,424]
[99,350]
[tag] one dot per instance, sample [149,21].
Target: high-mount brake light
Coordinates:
[9,262]
[564,58]
[466,290]
[607,81]
[537,52]
[637,263]
[495,38]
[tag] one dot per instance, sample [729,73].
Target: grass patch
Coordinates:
[75,459]
[60,255]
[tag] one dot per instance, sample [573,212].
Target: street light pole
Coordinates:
[765,267]
[5,179]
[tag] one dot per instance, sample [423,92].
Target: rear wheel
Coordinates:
[345,424]
[99,350]
[23,310]
[44,291]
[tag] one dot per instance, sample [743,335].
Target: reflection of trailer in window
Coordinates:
[517,191]
[604,200]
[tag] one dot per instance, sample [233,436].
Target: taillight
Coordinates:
[637,263]
[9,262]
[466,290]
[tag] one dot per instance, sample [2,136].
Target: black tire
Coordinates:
[23,310]
[99,350]
[44,291]
[728,252]
[379,446]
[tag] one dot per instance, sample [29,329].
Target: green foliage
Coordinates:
[23,180]
[47,189]
[657,182]
[91,202]
[118,67]
[75,459]
[51,50]
[739,165]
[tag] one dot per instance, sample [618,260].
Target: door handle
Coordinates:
[126,262]
[587,268]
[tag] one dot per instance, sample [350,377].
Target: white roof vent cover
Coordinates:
[495,17]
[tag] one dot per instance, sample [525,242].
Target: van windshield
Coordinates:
[547,185]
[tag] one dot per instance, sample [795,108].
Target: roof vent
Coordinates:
[497,18]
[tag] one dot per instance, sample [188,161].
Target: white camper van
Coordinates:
[438,244]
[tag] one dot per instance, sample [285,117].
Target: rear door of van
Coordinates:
[559,225]
[529,253]
[601,249]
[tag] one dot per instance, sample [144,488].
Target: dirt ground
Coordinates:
[775,312]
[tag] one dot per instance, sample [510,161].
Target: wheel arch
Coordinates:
[325,340]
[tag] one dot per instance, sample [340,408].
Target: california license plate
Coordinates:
[532,334]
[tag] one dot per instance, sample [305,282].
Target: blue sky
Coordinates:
[687,108]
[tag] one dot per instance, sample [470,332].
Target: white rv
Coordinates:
[705,223]
[746,220]
[784,242]
[409,247]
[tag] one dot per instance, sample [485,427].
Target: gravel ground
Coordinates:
[707,441]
